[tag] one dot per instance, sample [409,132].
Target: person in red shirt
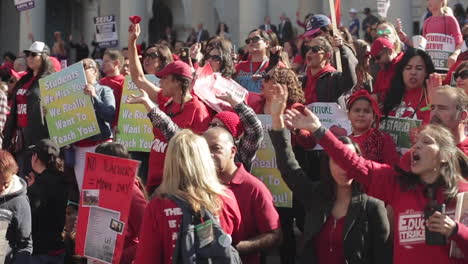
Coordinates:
[185,110]
[112,62]
[189,174]
[435,178]
[364,114]
[407,96]
[387,57]
[260,227]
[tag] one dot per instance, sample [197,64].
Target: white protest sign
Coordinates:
[106,31]
[382,7]
[332,117]
[22,5]
[440,47]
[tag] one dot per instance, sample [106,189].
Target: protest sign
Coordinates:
[106,31]
[382,7]
[209,84]
[104,207]
[264,167]
[440,47]
[332,117]
[135,130]
[70,113]
[22,5]
[400,129]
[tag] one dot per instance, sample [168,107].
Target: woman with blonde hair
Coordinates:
[191,176]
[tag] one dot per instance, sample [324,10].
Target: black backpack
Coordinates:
[187,249]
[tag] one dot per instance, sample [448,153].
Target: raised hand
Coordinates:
[279,99]
[141,99]
[227,97]
[305,120]
[134,31]
[432,83]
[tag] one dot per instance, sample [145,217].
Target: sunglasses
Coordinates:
[31,54]
[384,32]
[214,124]
[214,57]
[373,29]
[463,75]
[152,55]
[314,49]
[253,40]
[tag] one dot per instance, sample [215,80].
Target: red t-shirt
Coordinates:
[116,84]
[385,76]
[161,224]
[413,101]
[329,242]
[22,102]
[377,146]
[447,25]
[258,212]
[194,116]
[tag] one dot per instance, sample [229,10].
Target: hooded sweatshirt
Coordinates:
[15,217]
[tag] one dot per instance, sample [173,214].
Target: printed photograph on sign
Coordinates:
[90,198]
[117,226]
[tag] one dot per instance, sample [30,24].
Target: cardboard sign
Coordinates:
[104,207]
[209,84]
[22,5]
[70,113]
[440,47]
[134,126]
[264,167]
[382,7]
[332,117]
[400,129]
[106,31]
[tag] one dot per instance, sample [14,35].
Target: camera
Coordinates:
[434,238]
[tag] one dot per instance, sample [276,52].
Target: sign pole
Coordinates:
[335,33]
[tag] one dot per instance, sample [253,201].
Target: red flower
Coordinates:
[135,19]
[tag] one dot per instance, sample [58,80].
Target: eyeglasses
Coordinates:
[314,49]
[253,40]
[31,54]
[463,75]
[89,67]
[152,55]
[373,28]
[214,57]
[384,32]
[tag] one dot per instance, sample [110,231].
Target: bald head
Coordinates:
[220,134]
[222,150]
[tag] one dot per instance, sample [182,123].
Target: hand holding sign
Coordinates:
[452,59]
[305,120]
[90,90]
[229,98]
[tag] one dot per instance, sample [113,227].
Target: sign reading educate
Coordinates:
[104,207]
[332,117]
[440,47]
[135,128]
[264,167]
[70,113]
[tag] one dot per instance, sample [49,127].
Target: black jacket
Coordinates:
[285,32]
[16,214]
[366,229]
[37,127]
[48,199]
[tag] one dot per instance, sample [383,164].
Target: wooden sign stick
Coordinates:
[335,33]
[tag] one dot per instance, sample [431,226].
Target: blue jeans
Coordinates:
[45,259]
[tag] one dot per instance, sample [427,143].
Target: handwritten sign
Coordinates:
[332,117]
[104,206]
[440,47]
[400,129]
[264,167]
[106,31]
[22,5]
[135,128]
[382,7]
[70,113]
[209,84]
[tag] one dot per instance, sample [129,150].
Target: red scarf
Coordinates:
[310,89]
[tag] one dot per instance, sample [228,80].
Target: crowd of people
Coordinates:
[360,199]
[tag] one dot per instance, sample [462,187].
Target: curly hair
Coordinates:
[288,77]
[227,65]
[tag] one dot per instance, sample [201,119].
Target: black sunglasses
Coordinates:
[314,49]
[253,39]
[463,75]
[32,54]
[152,55]
[213,57]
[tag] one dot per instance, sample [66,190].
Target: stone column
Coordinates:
[203,12]
[90,10]
[130,8]
[402,10]
[251,15]
[32,21]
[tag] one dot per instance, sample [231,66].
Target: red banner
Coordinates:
[104,207]
[338,12]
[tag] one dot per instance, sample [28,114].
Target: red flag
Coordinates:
[338,12]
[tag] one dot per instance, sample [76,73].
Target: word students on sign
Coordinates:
[135,130]
[105,206]
[440,47]
[70,114]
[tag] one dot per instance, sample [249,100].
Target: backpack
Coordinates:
[187,249]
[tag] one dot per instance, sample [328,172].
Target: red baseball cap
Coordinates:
[176,67]
[379,44]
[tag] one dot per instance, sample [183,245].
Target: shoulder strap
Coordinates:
[187,214]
